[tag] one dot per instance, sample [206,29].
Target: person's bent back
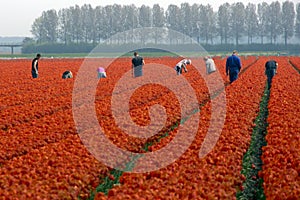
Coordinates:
[270,71]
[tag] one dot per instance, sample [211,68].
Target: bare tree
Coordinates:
[223,22]
[195,21]
[232,21]
[251,22]
[158,21]
[185,19]
[207,23]
[274,21]
[75,24]
[173,21]
[237,21]
[297,26]
[288,20]
[262,11]
[88,23]
[64,26]
[38,31]
[145,16]
[50,24]
[100,28]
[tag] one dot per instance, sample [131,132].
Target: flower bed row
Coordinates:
[52,136]
[24,99]
[294,61]
[30,143]
[150,95]
[218,174]
[281,156]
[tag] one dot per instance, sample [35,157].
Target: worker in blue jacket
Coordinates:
[233,66]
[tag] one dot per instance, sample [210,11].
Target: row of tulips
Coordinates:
[217,175]
[42,157]
[24,100]
[294,61]
[152,94]
[281,156]
[43,153]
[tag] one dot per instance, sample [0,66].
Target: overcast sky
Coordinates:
[17,16]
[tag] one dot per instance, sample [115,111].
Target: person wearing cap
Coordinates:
[35,66]
[270,71]
[182,64]
[137,64]
[210,65]
[233,66]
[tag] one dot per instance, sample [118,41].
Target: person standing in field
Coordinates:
[210,65]
[182,64]
[35,66]
[137,64]
[270,71]
[233,66]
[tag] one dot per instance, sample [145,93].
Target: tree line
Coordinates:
[232,23]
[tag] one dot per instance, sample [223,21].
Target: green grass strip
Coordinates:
[252,163]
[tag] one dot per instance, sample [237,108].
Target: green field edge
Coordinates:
[144,54]
[252,187]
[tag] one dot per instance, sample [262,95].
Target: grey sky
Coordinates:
[17,16]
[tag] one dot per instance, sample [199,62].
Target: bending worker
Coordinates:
[182,64]
[270,71]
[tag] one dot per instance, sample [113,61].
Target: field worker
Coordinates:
[35,66]
[101,72]
[270,71]
[182,64]
[210,65]
[137,64]
[67,74]
[233,66]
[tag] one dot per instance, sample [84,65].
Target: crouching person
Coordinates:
[67,74]
[101,72]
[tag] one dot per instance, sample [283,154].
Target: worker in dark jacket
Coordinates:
[233,66]
[270,71]
[35,66]
[137,65]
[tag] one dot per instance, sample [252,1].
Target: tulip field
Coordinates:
[42,155]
